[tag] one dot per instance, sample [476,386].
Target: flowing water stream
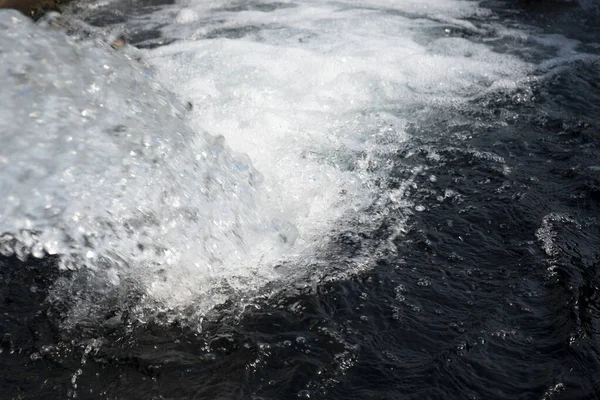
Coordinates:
[318,199]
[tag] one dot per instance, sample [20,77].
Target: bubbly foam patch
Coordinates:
[106,169]
[320,94]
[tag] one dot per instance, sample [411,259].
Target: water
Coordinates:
[300,200]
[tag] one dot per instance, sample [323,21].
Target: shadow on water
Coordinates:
[576,19]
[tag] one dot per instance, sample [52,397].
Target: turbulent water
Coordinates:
[300,199]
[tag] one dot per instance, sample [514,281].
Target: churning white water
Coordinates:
[292,111]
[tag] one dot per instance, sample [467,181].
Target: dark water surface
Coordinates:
[493,292]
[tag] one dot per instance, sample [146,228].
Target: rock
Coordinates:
[33,8]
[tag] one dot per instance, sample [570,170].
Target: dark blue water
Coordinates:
[493,292]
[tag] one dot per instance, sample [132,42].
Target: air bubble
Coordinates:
[301,340]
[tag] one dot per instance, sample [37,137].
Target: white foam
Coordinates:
[309,86]
[186,16]
[103,170]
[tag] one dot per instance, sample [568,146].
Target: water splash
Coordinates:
[107,170]
[99,167]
